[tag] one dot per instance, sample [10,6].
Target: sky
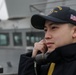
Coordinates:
[3,10]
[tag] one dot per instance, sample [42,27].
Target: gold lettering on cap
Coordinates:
[60,8]
[53,11]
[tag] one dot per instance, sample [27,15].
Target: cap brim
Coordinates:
[38,21]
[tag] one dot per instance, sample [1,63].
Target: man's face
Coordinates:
[57,35]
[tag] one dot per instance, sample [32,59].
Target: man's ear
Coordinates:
[74,32]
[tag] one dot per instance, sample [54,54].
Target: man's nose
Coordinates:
[48,35]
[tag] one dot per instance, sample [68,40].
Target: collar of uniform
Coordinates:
[67,52]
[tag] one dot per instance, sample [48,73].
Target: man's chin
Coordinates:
[50,49]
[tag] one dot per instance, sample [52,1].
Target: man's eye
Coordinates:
[53,27]
[45,30]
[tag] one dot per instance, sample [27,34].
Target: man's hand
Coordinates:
[39,46]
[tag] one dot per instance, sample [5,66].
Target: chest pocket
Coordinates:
[51,69]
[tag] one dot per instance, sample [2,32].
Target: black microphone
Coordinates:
[41,57]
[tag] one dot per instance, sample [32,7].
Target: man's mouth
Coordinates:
[49,44]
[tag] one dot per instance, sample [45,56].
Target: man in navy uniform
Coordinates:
[58,48]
